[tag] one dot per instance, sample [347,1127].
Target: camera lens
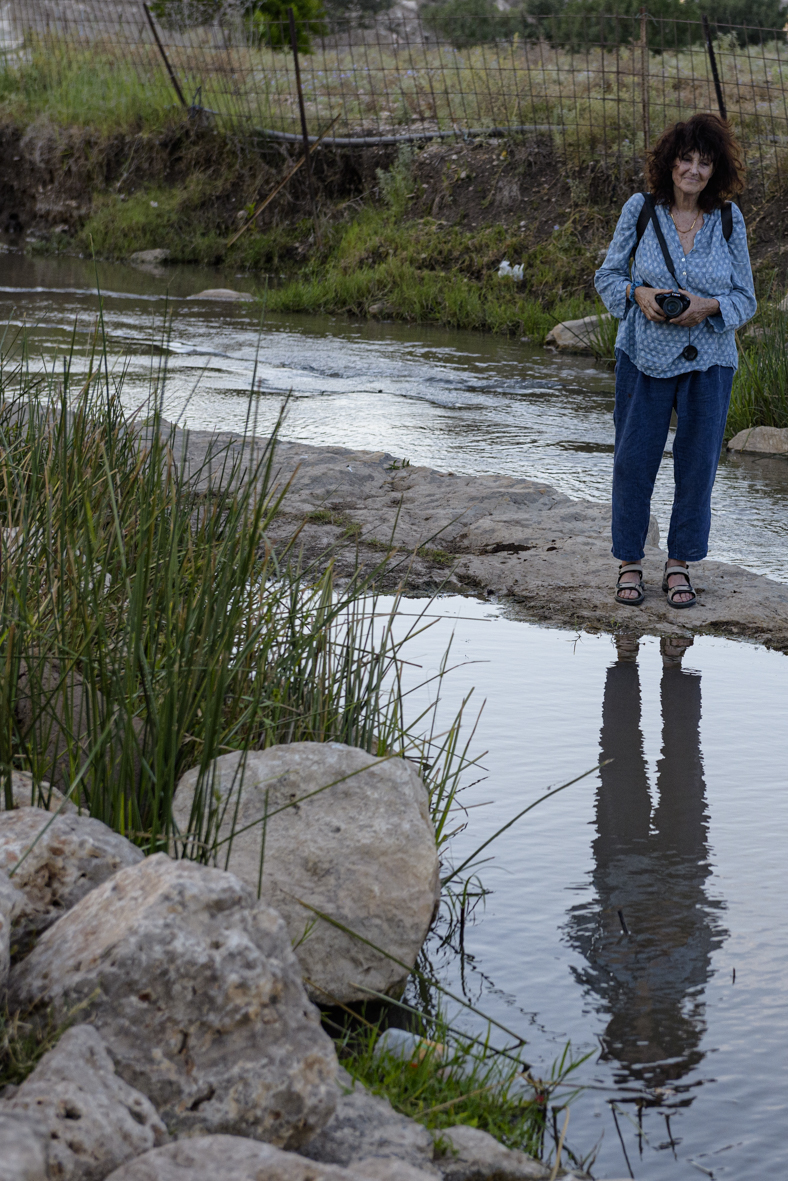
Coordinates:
[672,306]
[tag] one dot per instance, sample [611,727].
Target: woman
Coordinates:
[685,362]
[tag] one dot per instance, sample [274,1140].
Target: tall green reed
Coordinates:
[760,386]
[148,624]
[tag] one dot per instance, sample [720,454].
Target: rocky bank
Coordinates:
[188,1046]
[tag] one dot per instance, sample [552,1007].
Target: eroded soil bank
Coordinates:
[423,245]
[518,540]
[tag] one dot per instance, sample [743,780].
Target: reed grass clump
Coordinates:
[147,623]
[760,386]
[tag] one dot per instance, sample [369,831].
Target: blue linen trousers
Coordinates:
[642,421]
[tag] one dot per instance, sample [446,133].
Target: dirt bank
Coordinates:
[515,540]
[188,188]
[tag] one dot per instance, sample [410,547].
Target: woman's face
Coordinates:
[691,173]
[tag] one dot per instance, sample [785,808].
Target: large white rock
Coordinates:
[195,990]
[768,440]
[473,1155]
[22,1148]
[231,1158]
[92,1120]
[73,855]
[361,851]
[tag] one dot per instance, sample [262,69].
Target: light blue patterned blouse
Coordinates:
[714,268]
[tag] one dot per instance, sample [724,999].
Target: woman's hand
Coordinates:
[699,309]
[644,298]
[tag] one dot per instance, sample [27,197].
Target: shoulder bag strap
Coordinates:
[644,217]
[726,216]
[660,236]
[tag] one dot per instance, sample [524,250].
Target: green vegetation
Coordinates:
[152,589]
[105,89]
[451,1079]
[760,386]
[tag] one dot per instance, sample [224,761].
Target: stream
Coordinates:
[684,1016]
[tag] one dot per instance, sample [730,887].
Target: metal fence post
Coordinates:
[714,74]
[307,158]
[644,79]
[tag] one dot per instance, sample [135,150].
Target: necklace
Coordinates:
[692,227]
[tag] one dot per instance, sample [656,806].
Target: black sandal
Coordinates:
[626,568]
[685,588]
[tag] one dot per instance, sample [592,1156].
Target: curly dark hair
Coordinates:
[713,139]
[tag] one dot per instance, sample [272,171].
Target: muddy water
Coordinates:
[456,401]
[684,831]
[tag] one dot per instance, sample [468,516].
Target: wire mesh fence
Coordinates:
[599,87]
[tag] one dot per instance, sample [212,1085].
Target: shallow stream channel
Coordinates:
[640,914]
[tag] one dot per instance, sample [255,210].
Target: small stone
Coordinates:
[361,849]
[197,994]
[22,1148]
[148,257]
[93,1120]
[69,856]
[768,440]
[474,1155]
[222,293]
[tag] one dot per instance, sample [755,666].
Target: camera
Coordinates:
[673,303]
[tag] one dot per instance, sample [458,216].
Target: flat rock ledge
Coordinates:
[494,536]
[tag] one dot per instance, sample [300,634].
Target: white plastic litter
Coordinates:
[507,271]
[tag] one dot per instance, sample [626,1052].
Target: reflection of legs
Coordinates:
[680,817]
[624,806]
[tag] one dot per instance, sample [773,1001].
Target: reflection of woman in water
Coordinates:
[652,866]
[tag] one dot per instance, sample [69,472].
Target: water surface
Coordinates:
[684,831]
[458,401]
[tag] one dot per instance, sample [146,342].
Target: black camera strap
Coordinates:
[648,203]
[689,353]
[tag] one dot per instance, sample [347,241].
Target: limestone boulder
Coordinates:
[60,716]
[22,1148]
[26,792]
[366,1127]
[469,1154]
[92,1120]
[209,1158]
[197,994]
[149,257]
[12,905]
[766,440]
[577,336]
[69,856]
[347,834]
[223,294]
